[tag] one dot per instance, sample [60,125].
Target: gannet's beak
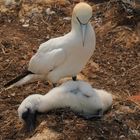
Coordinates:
[30,120]
[83,29]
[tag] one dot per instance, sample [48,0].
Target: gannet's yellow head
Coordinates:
[82,14]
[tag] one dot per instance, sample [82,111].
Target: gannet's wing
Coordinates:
[46,60]
[52,44]
[86,89]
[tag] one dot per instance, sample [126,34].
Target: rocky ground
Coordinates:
[114,66]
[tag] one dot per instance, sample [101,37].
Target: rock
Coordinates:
[46,134]
[22,20]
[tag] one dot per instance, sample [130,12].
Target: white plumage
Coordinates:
[67,55]
[78,95]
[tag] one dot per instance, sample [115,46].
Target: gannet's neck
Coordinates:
[52,100]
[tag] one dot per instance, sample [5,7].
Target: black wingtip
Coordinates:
[25,73]
[30,120]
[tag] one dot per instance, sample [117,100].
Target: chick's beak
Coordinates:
[30,120]
[83,29]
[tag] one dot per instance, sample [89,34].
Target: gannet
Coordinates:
[64,56]
[79,96]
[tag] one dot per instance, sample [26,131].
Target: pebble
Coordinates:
[135,132]
[13,94]
[49,12]
[25,25]
[122,136]
[12,2]
[67,18]
[89,138]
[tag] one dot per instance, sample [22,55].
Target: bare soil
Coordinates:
[114,66]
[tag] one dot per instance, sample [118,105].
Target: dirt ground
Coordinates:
[114,66]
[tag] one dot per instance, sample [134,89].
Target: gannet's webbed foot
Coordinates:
[30,119]
[87,116]
[98,114]
[74,78]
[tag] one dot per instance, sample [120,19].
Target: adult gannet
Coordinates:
[78,95]
[63,56]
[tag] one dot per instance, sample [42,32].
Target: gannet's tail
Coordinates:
[106,98]
[25,77]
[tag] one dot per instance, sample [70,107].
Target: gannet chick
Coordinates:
[79,96]
[64,56]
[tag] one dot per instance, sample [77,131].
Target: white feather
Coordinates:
[65,56]
[70,94]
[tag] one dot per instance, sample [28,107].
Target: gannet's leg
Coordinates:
[30,119]
[98,115]
[74,78]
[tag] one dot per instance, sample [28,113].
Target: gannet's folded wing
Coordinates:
[44,47]
[43,62]
[50,45]
[86,89]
